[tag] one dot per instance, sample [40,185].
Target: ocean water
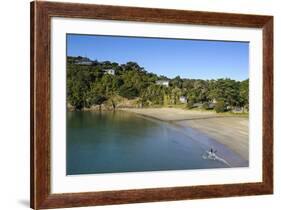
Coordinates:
[116,142]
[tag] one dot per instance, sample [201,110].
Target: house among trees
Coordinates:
[88,85]
[214,101]
[83,61]
[163,82]
[183,99]
[109,71]
[237,109]
[211,105]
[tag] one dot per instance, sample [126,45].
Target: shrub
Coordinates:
[220,106]
[246,108]
[98,99]
[128,92]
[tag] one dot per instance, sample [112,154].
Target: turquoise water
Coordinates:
[111,142]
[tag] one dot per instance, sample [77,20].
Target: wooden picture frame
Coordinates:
[40,188]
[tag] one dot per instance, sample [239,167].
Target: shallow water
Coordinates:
[109,142]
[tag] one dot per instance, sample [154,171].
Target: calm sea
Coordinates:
[110,142]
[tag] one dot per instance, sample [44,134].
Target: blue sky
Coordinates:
[196,59]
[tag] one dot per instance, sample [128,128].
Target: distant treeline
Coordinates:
[93,83]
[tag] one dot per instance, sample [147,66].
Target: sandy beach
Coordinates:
[229,130]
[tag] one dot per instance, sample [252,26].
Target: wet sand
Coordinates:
[231,131]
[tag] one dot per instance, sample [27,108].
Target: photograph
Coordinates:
[140,104]
[133,104]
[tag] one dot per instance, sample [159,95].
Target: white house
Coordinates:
[214,101]
[163,82]
[183,99]
[109,71]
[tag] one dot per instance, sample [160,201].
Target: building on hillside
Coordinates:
[237,109]
[84,61]
[109,71]
[183,99]
[211,105]
[163,82]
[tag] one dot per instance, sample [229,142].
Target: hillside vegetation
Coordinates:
[132,86]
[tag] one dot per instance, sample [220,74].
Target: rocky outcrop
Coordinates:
[111,104]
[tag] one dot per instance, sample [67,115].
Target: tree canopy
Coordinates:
[89,85]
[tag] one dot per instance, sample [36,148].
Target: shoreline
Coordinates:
[228,130]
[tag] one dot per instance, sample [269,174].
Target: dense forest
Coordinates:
[90,83]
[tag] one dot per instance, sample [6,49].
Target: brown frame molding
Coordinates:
[41,14]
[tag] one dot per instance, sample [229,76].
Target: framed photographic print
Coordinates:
[141,105]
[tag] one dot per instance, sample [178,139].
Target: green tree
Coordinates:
[98,100]
[244,94]
[89,85]
[220,106]
[128,92]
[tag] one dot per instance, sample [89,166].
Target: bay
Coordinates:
[115,142]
